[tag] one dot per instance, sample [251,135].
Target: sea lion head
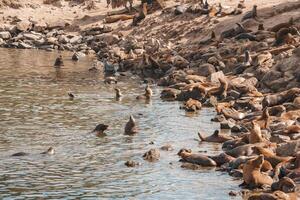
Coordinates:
[50,151]
[184,151]
[100,128]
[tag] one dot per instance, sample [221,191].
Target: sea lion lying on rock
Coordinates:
[197,158]
[220,91]
[215,137]
[252,173]
[281,97]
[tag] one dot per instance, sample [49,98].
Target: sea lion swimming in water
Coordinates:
[148,94]
[99,130]
[130,127]
[49,151]
[71,96]
[215,137]
[59,61]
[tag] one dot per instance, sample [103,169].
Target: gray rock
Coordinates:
[76,39]
[5,35]
[24,25]
[107,38]
[180,10]
[32,36]
[214,77]
[206,69]
[288,149]
[279,138]
[24,45]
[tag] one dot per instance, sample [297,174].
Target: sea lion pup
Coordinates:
[285,184]
[148,94]
[261,27]
[99,130]
[270,156]
[215,137]
[252,175]
[251,14]
[277,27]
[240,68]
[59,61]
[192,105]
[284,35]
[220,91]
[75,56]
[110,80]
[198,159]
[255,134]
[50,151]
[130,127]
[118,93]
[71,96]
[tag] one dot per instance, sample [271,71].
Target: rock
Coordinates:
[167,147]
[180,10]
[214,77]
[131,163]
[152,155]
[32,36]
[279,138]
[39,26]
[233,94]
[76,39]
[107,38]
[24,25]
[25,46]
[226,124]
[5,35]
[206,70]
[288,149]
[1,42]
[52,40]
[63,39]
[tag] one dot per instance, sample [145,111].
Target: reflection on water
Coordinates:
[36,113]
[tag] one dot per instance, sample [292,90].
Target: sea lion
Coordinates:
[130,127]
[243,150]
[252,175]
[244,36]
[198,159]
[261,27]
[118,93]
[251,14]
[215,137]
[241,67]
[281,97]
[222,158]
[277,27]
[192,105]
[49,151]
[285,184]
[59,61]
[284,35]
[71,96]
[209,40]
[148,94]
[270,156]
[220,91]
[99,130]
[241,4]
[20,154]
[75,56]
[255,134]
[131,163]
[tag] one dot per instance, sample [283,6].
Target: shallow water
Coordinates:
[36,113]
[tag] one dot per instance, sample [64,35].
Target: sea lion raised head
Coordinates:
[71,96]
[130,127]
[118,93]
[50,151]
[99,129]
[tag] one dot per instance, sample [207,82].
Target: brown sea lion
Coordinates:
[255,134]
[198,159]
[148,94]
[285,184]
[251,14]
[270,156]
[243,150]
[71,96]
[252,173]
[118,93]
[131,127]
[50,151]
[222,158]
[220,91]
[192,105]
[152,155]
[284,35]
[209,40]
[215,137]
[59,61]
[99,130]
[281,97]
[264,120]
[292,129]
[261,27]
[277,27]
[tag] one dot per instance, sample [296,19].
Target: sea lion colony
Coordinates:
[250,76]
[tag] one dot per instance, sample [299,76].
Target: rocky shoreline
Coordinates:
[248,73]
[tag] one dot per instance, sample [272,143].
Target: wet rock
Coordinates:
[39,26]
[32,36]
[76,39]
[152,155]
[191,166]
[236,173]
[288,149]
[206,69]
[167,147]
[107,38]
[180,10]
[218,118]
[233,94]
[23,45]
[5,35]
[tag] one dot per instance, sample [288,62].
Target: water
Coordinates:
[36,113]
